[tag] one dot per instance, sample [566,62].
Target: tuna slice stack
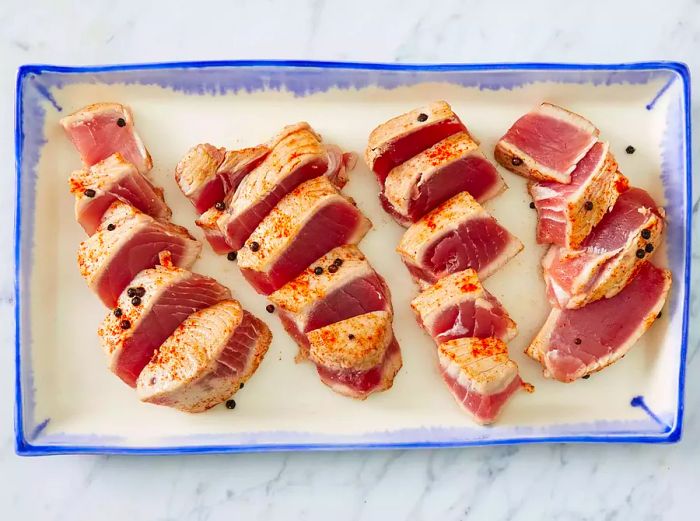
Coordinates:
[576,342]
[206,359]
[432,177]
[604,291]
[137,262]
[294,235]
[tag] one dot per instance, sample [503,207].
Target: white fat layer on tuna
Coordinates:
[190,371]
[300,296]
[539,347]
[278,230]
[485,375]
[388,132]
[358,343]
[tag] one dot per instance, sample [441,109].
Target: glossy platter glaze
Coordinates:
[67,400]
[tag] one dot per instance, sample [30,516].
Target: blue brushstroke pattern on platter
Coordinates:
[35,82]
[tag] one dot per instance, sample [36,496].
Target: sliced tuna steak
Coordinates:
[430,178]
[404,136]
[458,306]
[576,342]
[347,287]
[309,222]
[206,175]
[480,375]
[357,356]
[297,156]
[546,144]
[103,129]
[126,242]
[206,359]
[166,297]
[609,256]
[457,235]
[97,187]
[568,212]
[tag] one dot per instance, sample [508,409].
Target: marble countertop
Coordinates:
[577,482]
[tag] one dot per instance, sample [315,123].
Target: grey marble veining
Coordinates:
[564,483]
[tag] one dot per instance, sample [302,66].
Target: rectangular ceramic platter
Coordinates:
[68,401]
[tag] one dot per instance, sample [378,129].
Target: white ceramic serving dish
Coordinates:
[68,402]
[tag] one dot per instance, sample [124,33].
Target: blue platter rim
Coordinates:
[24,448]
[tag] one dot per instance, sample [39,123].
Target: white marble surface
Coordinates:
[531,482]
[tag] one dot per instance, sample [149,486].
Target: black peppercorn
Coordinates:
[318,270]
[532,205]
[422,117]
[659,315]
[90,193]
[121,122]
[516,161]
[630,149]
[270,308]
[242,384]
[136,301]
[351,336]
[220,205]
[254,246]
[332,268]
[140,291]
[577,341]
[232,255]
[125,324]
[588,206]
[649,248]
[640,253]
[338,262]
[586,376]
[230,404]
[646,234]
[131,292]
[117,312]
[111,227]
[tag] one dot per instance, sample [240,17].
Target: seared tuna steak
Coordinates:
[546,144]
[97,187]
[404,136]
[480,375]
[126,242]
[206,359]
[148,311]
[311,220]
[458,306]
[346,287]
[357,356]
[457,235]
[206,175]
[575,342]
[103,129]
[433,176]
[568,212]
[609,256]
[297,155]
